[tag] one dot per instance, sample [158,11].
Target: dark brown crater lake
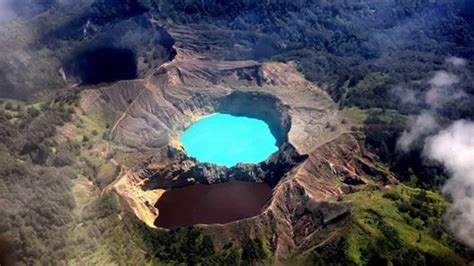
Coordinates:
[211,204]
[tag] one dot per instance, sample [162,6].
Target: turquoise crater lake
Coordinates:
[226,140]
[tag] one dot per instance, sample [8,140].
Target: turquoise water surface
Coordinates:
[226,140]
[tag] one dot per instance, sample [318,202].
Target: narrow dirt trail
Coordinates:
[147,84]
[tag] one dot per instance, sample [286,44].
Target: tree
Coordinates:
[8,106]
[253,251]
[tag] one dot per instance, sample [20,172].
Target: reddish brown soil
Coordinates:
[211,204]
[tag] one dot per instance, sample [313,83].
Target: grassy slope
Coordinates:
[98,235]
[366,229]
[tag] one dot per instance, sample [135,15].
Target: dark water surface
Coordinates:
[209,204]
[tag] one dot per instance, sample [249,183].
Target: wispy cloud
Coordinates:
[454,148]
[419,126]
[442,89]
[406,95]
[456,61]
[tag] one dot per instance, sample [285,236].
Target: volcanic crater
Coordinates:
[238,192]
[318,158]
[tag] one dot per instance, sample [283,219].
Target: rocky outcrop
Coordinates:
[182,170]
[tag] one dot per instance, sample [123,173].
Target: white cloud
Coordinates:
[442,89]
[456,61]
[420,126]
[437,96]
[443,79]
[454,148]
[406,96]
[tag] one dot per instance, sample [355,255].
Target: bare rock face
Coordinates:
[313,164]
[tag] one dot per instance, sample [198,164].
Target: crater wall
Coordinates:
[259,105]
